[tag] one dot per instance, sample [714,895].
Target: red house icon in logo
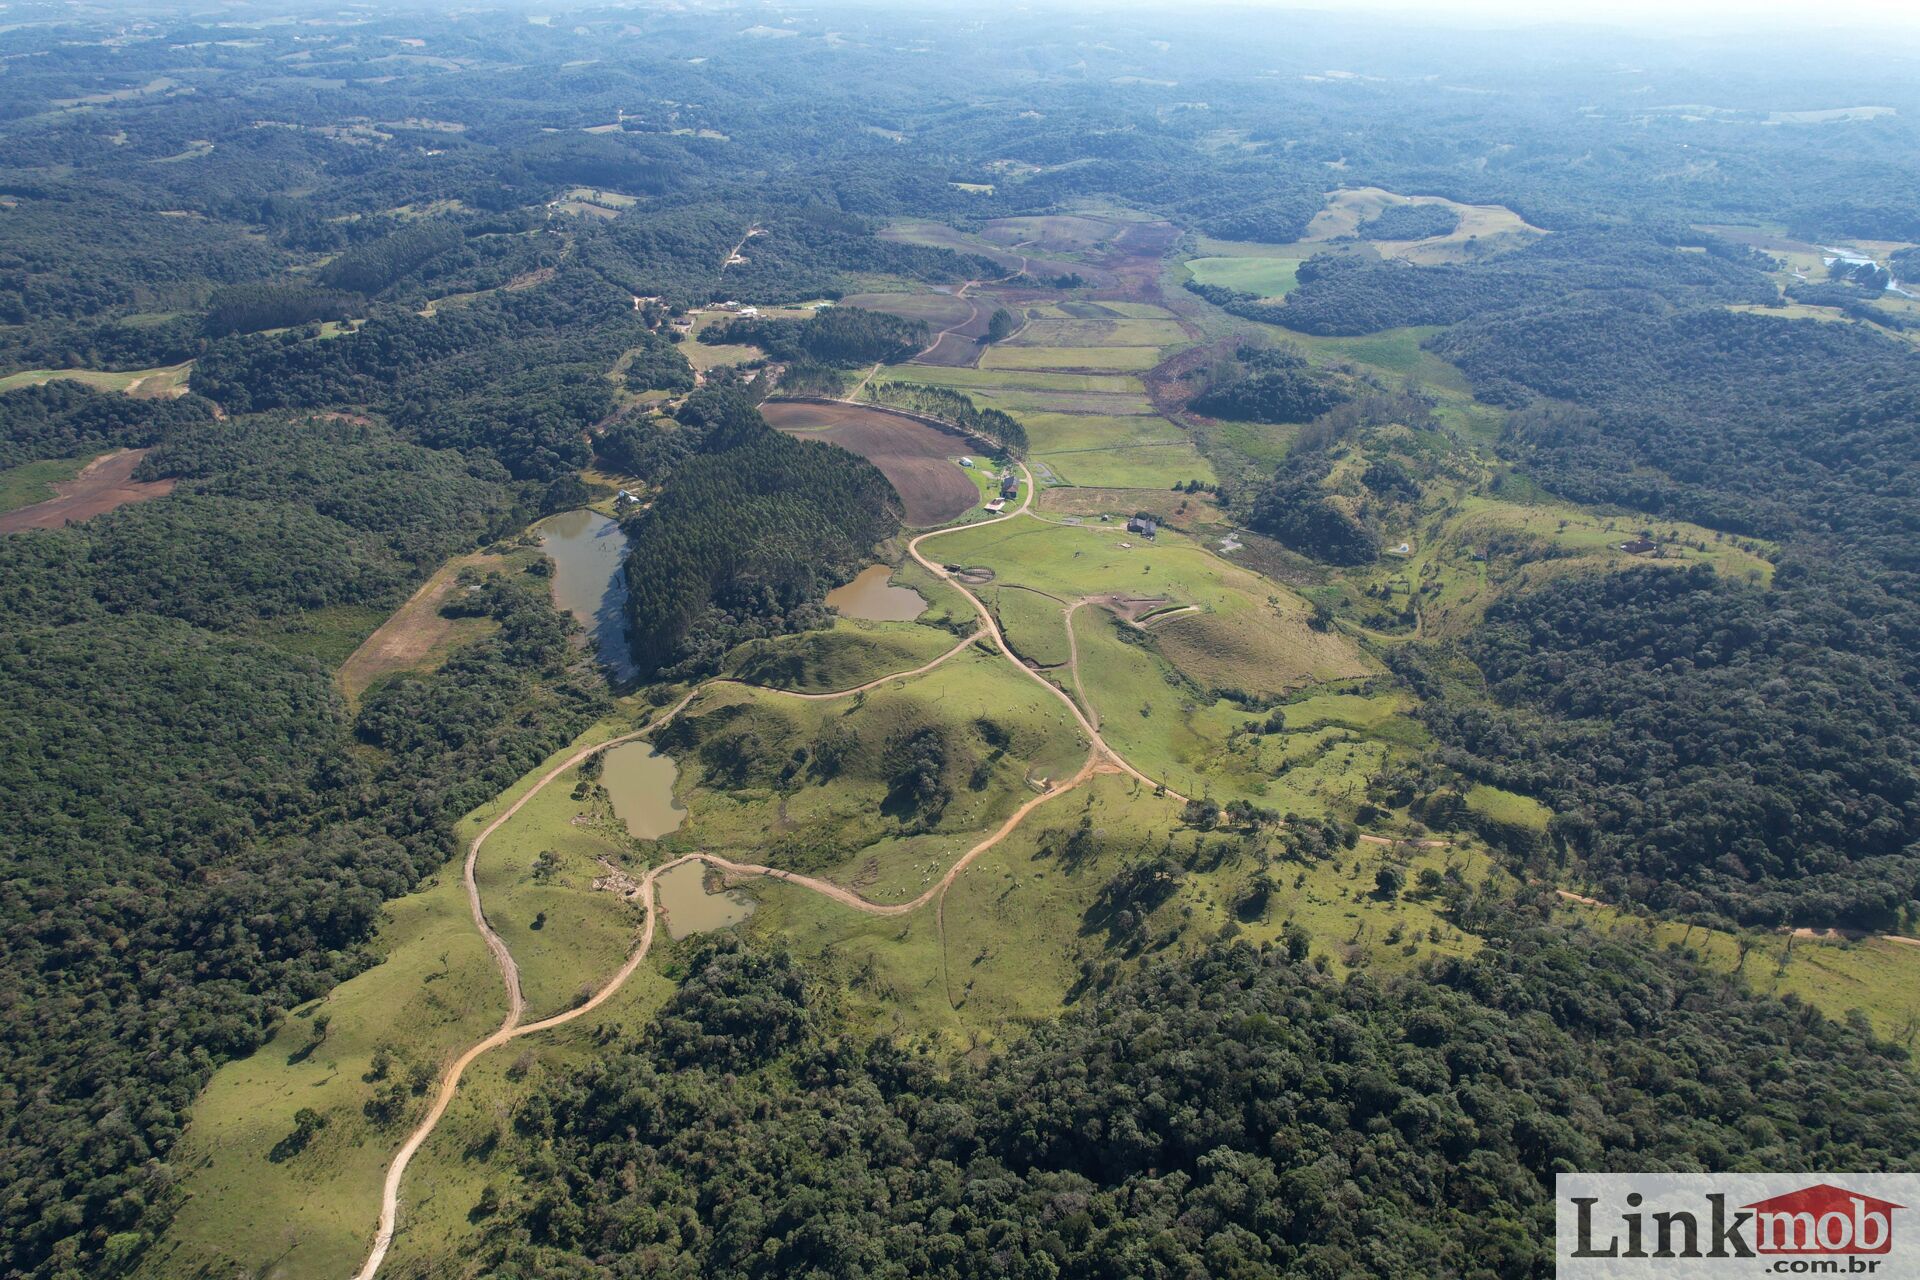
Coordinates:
[1823,1218]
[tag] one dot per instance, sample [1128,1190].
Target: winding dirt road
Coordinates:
[973,311]
[1101,758]
[993,629]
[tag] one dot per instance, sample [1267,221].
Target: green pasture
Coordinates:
[159,381]
[1033,623]
[1266,277]
[536,876]
[1151,466]
[839,815]
[1072,333]
[850,653]
[1070,432]
[1509,807]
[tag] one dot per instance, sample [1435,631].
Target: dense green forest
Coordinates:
[841,337]
[1238,1114]
[1409,222]
[1295,511]
[63,419]
[199,832]
[746,537]
[1266,385]
[1347,295]
[1776,802]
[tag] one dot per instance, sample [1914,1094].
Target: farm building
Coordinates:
[1142,525]
[997,505]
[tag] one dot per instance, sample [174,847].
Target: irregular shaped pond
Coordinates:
[690,908]
[870,596]
[639,780]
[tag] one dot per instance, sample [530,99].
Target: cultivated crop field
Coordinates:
[1011,356]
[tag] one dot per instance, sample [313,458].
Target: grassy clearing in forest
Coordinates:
[1483,229]
[1478,548]
[159,382]
[32,482]
[1266,277]
[1509,808]
[1877,976]
[417,636]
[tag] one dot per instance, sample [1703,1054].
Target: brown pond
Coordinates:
[916,458]
[639,781]
[682,894]
[105,483]
[870,596]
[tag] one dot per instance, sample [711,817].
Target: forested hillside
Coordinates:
[1239,1114]
[1750,752]
[198,832]
[1347,295]
[746,537]
[843,337]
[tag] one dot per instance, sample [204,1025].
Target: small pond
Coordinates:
[870,596]
[682,894]
[639,780]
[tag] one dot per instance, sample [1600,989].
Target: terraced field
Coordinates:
[1070,375]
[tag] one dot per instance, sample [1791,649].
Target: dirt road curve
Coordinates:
[510,975]
[993,629]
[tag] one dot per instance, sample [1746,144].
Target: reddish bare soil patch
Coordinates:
[916,458]
[106,483]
